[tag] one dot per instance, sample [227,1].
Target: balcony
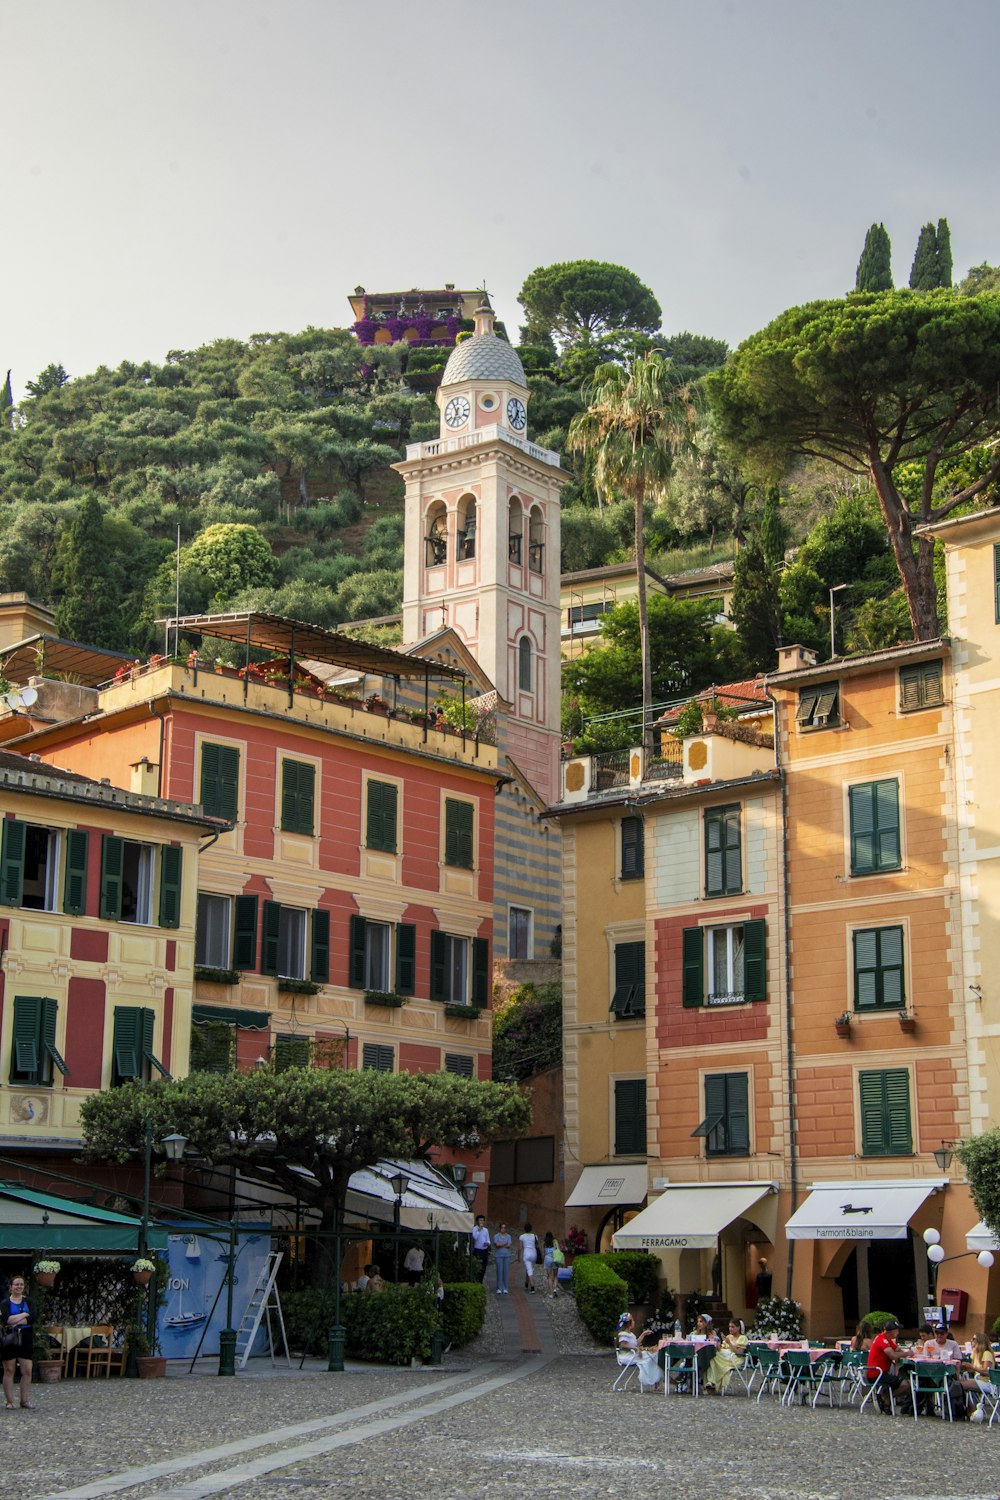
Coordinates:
[494,433]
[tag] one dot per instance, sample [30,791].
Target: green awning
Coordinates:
[37,1221]
[248,1020]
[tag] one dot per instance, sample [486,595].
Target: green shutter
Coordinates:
[437,964]
[112,866]
[127,1043]
[458,833]
[147,1020]
[381,1058]
[861,803]
[629,998]
[75,877]
[356,975]
[319,956]
[630,1117]
[887,819]
[220,781]
[866,970]
[380,826]
[25,1053]
[885,1113]
[632,848]
[693,967]
[460,1063]
[406,958]
[51,1057]
[298,793]
[171,864]
[245,932]
[891,966]
[290,1052]
[755,960]
[480,972]
[269,946]
[737,1114]
[213,1046]
[874,814]
[723,854]
[12,862]
[713,1127]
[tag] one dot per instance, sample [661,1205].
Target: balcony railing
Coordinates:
[489,434]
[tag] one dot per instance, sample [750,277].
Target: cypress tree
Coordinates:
[7,404]
[925,271]
[943,253]
[875,266]
[89,609]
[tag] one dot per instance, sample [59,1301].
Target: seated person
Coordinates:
[882,1358]
[649,1365]
[707,1342]
[863,1335]
[942,1346]
[974,1372]
[375,1282]
[731,1356]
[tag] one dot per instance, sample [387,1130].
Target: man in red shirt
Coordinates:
[882,1357]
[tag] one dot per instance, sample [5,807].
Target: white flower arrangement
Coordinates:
[143,1265]
[47,1267]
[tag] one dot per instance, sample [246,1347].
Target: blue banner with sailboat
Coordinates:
[195,1307]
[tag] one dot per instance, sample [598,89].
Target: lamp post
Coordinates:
[837,589]
[399,1182]
[469,1191]
[937,1258]
[173,1148]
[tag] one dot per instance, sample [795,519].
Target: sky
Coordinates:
[179,172]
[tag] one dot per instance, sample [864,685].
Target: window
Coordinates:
[33,1053]
[726,1126]
[284,951]
[878,969]
[132,1053]
[458,1062]
[633,849]
[371,959]
[245,932]
[524,664]
[630,1117]
[921,686]
[290,1051]
[380,821]
[29,867]
[220,781]
[874,815]
[515,528]
[382,1059]
[458,833]
[885,1113]
[724,965]
[723,856]
[582,615]
[298,789]
[536,545]
[819,707]
[436,549]
[213,1046]
[532,1159]
[450,969]
[127,882]
[519,934]
[467,532]
[629,999]
[213,939]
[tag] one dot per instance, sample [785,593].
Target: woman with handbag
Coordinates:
[16,1319]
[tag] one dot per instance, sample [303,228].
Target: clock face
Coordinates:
[516,414]
[457,411]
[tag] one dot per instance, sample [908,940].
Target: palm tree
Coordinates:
[637,417]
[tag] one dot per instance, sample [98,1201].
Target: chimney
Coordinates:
[790,658]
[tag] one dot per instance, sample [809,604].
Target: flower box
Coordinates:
[298,986]
[463,1012]
[384,998]
[216,976]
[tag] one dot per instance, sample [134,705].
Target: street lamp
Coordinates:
[838,588]
[937,1258]
[399,1182]
[173,1149]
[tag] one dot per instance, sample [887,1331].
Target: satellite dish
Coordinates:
[29,695]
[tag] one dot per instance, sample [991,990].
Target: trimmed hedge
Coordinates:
[464,1312]
[639,1269]
[391,1327]
[601,1295]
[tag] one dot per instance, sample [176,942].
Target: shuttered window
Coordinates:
[380,821]
[633,862]
[406,958]
[723,852]
[885,1112]
[33,1052]
[245,932]
[298,792]
[450,977]
[878,969]
[874,814]
[75,877]
[819,707]
[12,861]
[381,1058]
[630,1117]
[319,947]
[458,830]
[724,965]
[220,781]
[112,864]
[921,686]
[629,998]
[726,1126]
[458,1062]
[290,1052]
[132,1054]
[171,860]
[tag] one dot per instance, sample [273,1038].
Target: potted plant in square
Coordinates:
[46,1353]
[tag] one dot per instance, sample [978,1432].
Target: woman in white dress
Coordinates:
[650,1373]
[528,1255]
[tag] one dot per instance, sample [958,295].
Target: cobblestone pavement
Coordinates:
[493,1422]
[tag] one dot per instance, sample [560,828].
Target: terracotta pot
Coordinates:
[843,1028]
[142,1278]
[45,1278]
[151,1366]
[907,1024]
[48,1370]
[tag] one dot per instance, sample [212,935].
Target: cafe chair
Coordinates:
[853,1374]
[680,1369]
[806,1376]
[929,1378]
[877,1389]
[769,1369]
[991,1398]
[628,1365]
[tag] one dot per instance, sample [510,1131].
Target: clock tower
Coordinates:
[482,543]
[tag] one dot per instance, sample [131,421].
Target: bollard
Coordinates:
[437,1346]
[336,1360]
[227,1351]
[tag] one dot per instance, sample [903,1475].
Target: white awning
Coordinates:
[981,1238]
[431,1200]
[607,1186]
[860,1210]
[693,1216]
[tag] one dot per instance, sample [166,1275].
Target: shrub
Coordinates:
[392,1326]
[601,1295]
[877,1320]
[464,1311]
[308,1316]
[638,1269]
[782,1316]
[995,1330]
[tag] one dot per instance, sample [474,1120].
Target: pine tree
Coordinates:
[7,404]
[875,265]
[89,609]
[943,253]
[925,271]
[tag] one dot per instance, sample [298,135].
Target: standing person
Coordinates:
[763,1279]
[549,1263]
[16,1316]
[413,1264]
[502,1244]
[481,1243]
[528,1255]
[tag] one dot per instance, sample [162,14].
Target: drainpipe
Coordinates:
[163,731]
[793,1171]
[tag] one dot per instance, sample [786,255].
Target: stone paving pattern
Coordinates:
[552,1428]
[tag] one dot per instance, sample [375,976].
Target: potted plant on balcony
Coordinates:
[46,1272]
[142,1271]
[843,1023]
[907,1021]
